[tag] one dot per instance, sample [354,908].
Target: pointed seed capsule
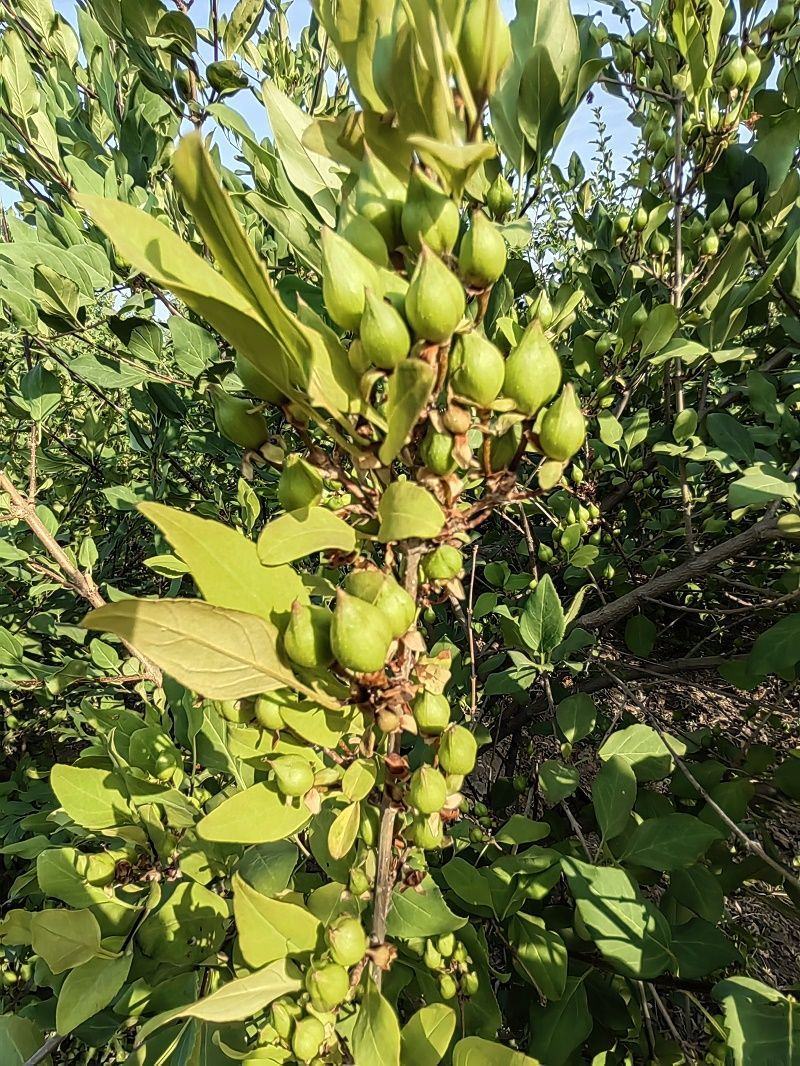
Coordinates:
[307,637]
[429,215]
[532,371]
[383,333]
[435,302]
[563,428]
[482,256]
[360,634]
[299,485]
[346,274]
[477,368]
[237,421]
[382,591]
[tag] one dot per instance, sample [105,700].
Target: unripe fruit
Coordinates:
[748,208]
[753,68]
[391,599]
[443,563]
[307,1039]
[532,371]
[504,448]
[284,1012]
[427,790]
[499,197]
[379,198]
[470,983]
[307,637]
[328,986]
[658,243]
[299,485]
[431,956]
[360,634]
[603,344]
[436,452]
[477,368]
[622,224]
[563,428]
[447,986]
[482,255]
[237,421]
[719,216]
[484,46]
[346,274]
[446,945]
[240,712]
[358,881]
[293,775]
[347,941]
[255,382]
[429,215]
[435,302]
[426,833]
[639,220]
[458,750]
[543,309]
[545,553]
[457,420]
[783,18]
[268,711]
[734,72]
[366,238]
[383,333]
[431,712]
[225,76]
[709,244]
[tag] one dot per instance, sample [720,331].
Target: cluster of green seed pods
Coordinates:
[449,961]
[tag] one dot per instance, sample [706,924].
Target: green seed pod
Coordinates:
[384,335]
[431,712]
[458,750]
[622,223]
[431,957]
[446,945]
[427,790]
[347,941]
[379,197]
[436,452]
[753,75]
[709,244]
[748,208]
[499,197]
[435,301]
[416,945]
[477,368]
[504,448]
[268,709]
[447,986]
[470,983]
[255,382]
[225,76]
[299,484]
[783,18]
[532,371]
[429,215]
[443,563]
[240,712]
[237,421]
[308,1038]
[307,637]
[639,316]
[427,834]
[658,243]
[484,46]
[380,589]
[483,254]
[369,825]
[283,1013]
[293,775]
[603,345]
[563,428]
[358,881]
[346,274]
[365,237]
[328,985]
[639,219]
[734,72]
[360,634]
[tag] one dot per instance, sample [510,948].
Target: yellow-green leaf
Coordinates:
[344,830]
[268,928]
[409,388]
[87,989]
[254,816]
[304,532]
[95,799]
[406,511]
[65,938]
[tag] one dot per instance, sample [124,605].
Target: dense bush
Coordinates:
[435,507]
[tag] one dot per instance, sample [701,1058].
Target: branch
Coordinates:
[81,583]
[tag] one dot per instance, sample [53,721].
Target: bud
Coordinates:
[307,637]
[347,941]
[308,1038]
[328,985]
[429,215]
[346,274]
[719,216]
[391,599]
[300,484]
[427,790]
[470,983]
[443,563]
[237,421]
[240,712]
[436,452]
[293,775]
[435,301]
[563,428]
[482,255]
[431,711]
[431,957]
[379,197]
[477,368]
[360,634]
[446,945]
[532,371]
[256,383]
[458,750]
[639,219]
[447,986]
[384,335]
[484,46]
[499,197]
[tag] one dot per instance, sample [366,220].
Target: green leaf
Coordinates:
[16,78]
[609,429]
[408,511]
[698,889]
[225,564]
[376,1034]
[760,485]
[731,436]
[420,912]
[541,953]
[62,875]
[777,651]
[239,999]
[409,388]
[640,635]
[20,1038]
[542,624]
[270,929]
[65,938]
[194,348]
[669,842]
[576,716]
[628,930]
[469,884]
[359,779]
[763,1026]
[268,868]
[557,781]
[88,988]
[344,830]
[613,795]
[520,829]
[305,532]
[701,948]
[475,1051]
[41,391]
[644,750]
[557,1029]
[95,799]
[257,815]
[218,653]
[658,330]
[426,1035]
[242,24]
[187,927]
